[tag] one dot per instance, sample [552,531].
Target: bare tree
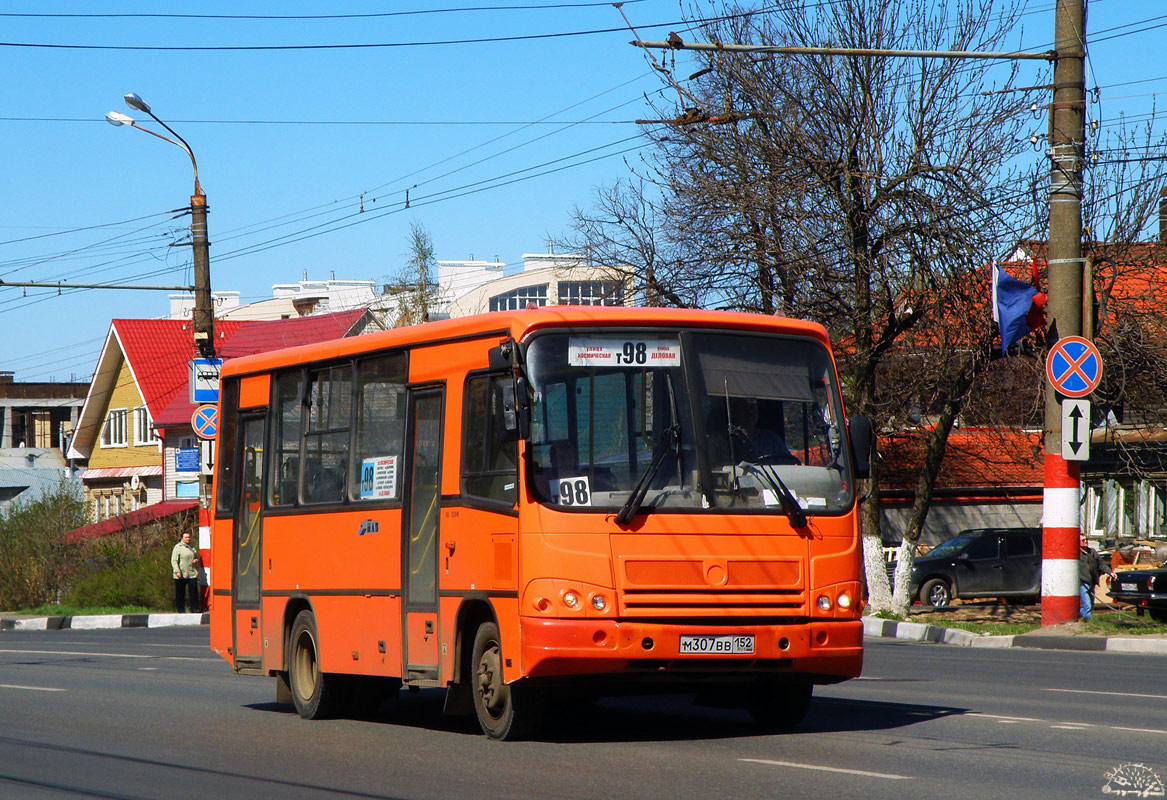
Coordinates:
[863,192]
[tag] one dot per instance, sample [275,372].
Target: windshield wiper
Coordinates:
[789,504]
[667,442]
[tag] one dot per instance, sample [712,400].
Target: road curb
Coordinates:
[918,632]
[102,621]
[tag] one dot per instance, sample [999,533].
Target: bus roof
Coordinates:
[518,324]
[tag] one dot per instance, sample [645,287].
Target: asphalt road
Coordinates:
[147,713]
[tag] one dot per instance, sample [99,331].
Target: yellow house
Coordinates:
[143,366]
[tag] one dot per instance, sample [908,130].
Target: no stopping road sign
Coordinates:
[1074,366]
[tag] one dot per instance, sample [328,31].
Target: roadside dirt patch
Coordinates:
[979,611]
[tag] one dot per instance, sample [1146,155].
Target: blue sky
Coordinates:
[291,144]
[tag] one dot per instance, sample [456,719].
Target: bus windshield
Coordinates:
[683,420]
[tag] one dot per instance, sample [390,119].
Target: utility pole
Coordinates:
[204,314]
[1061,517]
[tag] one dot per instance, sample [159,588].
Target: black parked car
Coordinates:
[1143,589]
[982,562]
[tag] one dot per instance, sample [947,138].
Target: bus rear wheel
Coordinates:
[316,694]
[506,712]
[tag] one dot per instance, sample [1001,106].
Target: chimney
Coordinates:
[1163,216]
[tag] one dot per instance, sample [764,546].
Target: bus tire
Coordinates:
[316,694]
[776,705]
[506,712]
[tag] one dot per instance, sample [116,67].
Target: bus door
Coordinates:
[248,537]
[419,524]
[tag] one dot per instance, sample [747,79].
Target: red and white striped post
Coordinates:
[204,545]
[1059,549]
[1061,520]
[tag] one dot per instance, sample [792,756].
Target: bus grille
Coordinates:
[708,602]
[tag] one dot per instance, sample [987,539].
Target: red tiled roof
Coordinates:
[158,351]
[975,458]
[130,520]
[262,336]
[251,336]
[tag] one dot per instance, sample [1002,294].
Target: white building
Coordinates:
[292,300]
[475,287]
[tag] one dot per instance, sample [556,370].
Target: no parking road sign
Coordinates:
[1074,366]
[205,421]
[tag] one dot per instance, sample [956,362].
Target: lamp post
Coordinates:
[204,318]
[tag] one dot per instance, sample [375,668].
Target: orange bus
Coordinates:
[559,500]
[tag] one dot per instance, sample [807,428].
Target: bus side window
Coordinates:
[225,482]
[380,428]
[286,415]
[489,463]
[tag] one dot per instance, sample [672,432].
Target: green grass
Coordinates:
[1103,623]
[74,611]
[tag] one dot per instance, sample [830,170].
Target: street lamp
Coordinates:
[204,318]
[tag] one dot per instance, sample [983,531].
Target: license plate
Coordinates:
[1127,587]
[727,645]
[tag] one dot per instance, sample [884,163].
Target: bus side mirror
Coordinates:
[862,442]
[510,415]
[499,356]
[515,419]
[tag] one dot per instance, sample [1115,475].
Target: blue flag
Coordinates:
[1011,301]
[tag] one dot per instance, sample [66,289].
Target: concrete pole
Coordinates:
[1061,516]
[204,314]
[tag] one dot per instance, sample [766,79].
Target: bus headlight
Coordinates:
[599,603]
[824,603]
[844,600]
[570,599]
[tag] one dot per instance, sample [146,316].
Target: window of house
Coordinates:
[380,428]
[489,463]
[114,432]
[520,298]
[591,293]
[143,427]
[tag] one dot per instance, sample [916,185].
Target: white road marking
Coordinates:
[1069,726]
[1137,730]
[1110,694]
[30,688]
[829,769]
[111,655]
[75,653]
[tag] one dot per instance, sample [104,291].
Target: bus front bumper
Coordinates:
[824,650]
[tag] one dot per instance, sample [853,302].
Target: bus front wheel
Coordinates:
[316,694]
[505,711]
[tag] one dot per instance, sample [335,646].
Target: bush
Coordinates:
[35,561]
[121,578]
[130,567]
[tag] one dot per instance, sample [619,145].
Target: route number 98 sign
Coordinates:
[613,351]
[571,491]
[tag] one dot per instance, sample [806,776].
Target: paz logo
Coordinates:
[368,526]
[1133,780]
